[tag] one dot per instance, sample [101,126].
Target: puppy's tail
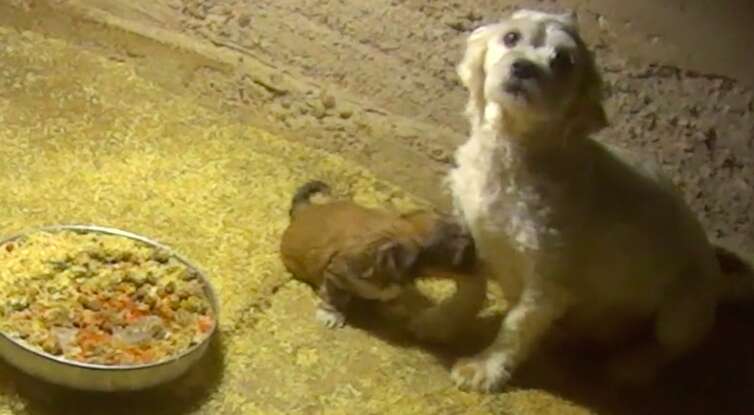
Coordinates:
[739,275]
[304,194]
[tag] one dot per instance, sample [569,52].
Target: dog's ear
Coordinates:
[588,113]
[396,259]
[471,70]
[464,254]
[473,59]
[533,15]
[568,19]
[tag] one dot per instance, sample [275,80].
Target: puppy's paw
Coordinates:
[433,326]
[487,373]
[330,319]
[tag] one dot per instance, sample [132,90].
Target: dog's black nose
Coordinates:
[523,69]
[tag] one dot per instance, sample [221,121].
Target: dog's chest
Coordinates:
[500,197]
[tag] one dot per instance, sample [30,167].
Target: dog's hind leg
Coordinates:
[684,321]
[681,324]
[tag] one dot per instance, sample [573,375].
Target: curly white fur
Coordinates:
[570,228]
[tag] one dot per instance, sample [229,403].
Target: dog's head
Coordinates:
[533,69]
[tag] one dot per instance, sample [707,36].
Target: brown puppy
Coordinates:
[342,249]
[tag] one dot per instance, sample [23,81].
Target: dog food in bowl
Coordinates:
[100,298]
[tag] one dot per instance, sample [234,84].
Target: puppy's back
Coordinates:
[321,231]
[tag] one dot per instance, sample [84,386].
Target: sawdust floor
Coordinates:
[84,140]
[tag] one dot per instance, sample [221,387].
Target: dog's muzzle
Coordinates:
[523,69]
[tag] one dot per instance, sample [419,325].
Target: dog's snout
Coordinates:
[523,69]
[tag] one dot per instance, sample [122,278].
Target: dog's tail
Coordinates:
[304,194]
[739,274]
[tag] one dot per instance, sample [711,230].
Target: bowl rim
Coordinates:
[208,289]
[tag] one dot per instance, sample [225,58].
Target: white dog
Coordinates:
[570,227]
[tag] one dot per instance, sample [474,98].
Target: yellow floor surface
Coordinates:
[85,140]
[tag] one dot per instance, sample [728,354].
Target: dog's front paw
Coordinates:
[330,319]
[487,373]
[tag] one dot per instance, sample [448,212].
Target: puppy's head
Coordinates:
[532,69]
[391,270]
[446,243]
[379,271]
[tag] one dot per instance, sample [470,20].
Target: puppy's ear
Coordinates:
[346,267]
[588,113]
[396,259]
[471,70]
[452,241]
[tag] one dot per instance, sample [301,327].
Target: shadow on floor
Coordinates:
[177,397]
[716,379]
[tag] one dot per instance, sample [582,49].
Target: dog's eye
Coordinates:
[562,61]
[511,38]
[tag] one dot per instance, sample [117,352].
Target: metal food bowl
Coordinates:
[106,378]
